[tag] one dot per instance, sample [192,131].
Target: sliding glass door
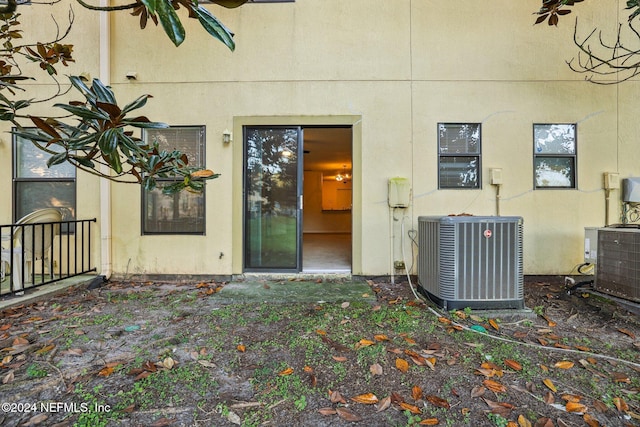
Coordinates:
[273,198]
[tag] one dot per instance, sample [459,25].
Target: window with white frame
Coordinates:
[182,212]
[459,155]
[554,155]
[37,186]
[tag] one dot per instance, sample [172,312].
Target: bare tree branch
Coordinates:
[599,59]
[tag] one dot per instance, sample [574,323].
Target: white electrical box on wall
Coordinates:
[496,176]
[399,192]
[611,181]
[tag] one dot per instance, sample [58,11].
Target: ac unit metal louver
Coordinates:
[471,261]
[618,267]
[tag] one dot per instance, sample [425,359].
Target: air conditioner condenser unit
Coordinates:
[471,261]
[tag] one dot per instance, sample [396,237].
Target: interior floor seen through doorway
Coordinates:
[326,253]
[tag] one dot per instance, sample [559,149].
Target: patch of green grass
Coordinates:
[270,314]
[107,320]
[272,387]
[367,356]
[93,417]
[35,371]
[160,389]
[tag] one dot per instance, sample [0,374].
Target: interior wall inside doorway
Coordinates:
[316,219]
[327,199]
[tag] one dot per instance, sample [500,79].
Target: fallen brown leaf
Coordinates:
[627,333]
[549,398]
[336,397]
[366,399]
[8,378]
[375,369]
[411,408]
[621,405]
[575,407]
[402,365]
[478,391]
[550,385]
[513,364]
[384,404]
[494,386]
[19,341]
[437,401]
[619,377]
[429,422]
[571,398]
[35,420]
[168,363]
[416,392]
[106,371]
[543,422]
[327,411]
[364,343]
[591,422]
[523,421]
[286,372]
[348,415]
[564,364]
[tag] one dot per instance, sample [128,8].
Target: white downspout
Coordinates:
[105,184]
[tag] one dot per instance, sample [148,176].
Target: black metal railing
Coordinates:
[39,253]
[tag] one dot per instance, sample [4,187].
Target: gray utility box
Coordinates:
[618,267]
[471,261]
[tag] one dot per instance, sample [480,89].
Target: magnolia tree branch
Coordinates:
[604,62]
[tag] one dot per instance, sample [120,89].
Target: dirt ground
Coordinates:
[167,354]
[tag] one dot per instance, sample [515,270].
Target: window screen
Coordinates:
[459,155]
[554,155]
[36,186]
[183,212]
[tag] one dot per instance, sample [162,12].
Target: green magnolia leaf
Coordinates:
[170,21]
[145,125]
[149,183]
[57,159]
[108,142]
[103,93]
[83,161]
[78,83]
[138,103]
[114,162]
[214,27]
[84,142]
[173,188]
[23,103]
[150,5]
[83,112]
[128,145]
[35,136]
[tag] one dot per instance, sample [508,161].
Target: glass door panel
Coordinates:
[272,190]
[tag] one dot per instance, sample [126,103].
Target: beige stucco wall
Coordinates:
[393,69]
[38,25]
